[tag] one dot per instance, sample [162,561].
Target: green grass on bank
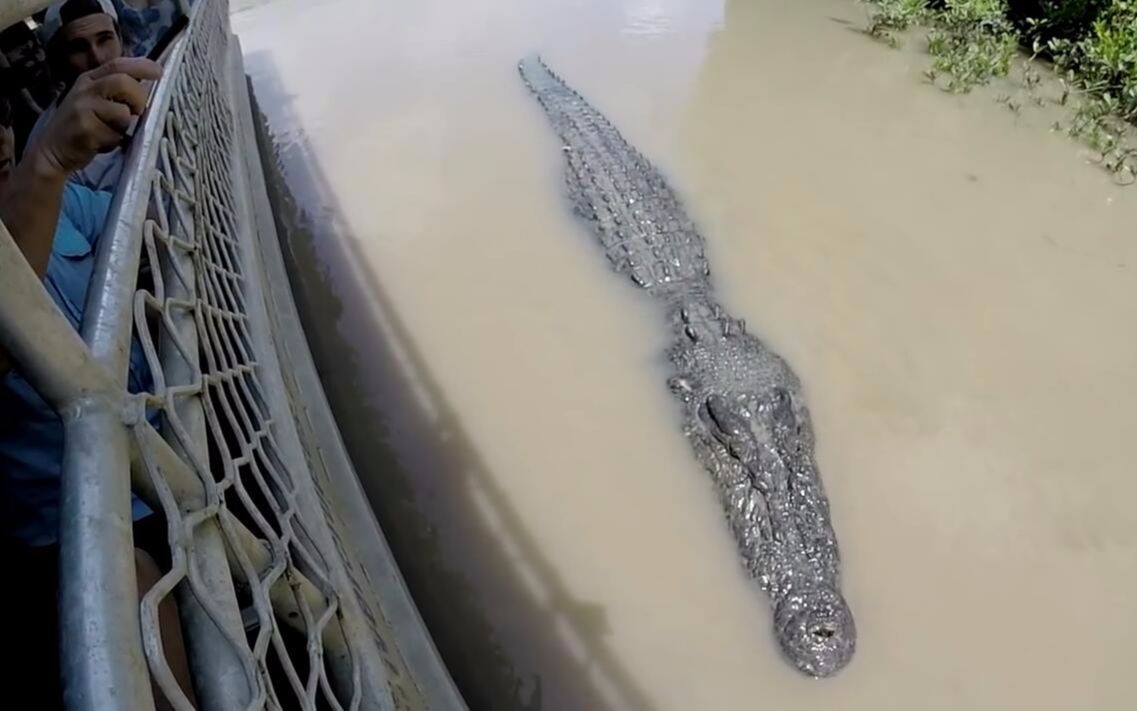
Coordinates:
[1091,43]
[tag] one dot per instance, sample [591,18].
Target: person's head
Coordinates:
[21,47]
[80,35]
[26,58]
[7,142]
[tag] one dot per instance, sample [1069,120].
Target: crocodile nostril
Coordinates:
[824,632]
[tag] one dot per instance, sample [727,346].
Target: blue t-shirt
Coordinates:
[31,433]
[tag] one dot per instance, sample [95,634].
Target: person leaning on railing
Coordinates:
[80,36]
[56,224]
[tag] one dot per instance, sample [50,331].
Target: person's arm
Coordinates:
[30,207]
[93,118]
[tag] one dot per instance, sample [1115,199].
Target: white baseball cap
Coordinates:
[53,21]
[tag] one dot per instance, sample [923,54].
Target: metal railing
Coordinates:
[276,611]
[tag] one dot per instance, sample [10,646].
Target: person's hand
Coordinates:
[96,113]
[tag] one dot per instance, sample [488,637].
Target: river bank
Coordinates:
[1078,54]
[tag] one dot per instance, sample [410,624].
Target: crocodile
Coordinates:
[743,410]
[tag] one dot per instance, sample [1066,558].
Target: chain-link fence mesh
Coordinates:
[192,321]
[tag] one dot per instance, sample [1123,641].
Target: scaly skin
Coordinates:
[743,411]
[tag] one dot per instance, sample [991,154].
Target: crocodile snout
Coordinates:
[815,630]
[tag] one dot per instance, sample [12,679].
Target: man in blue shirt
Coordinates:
[79,36]
[56,225]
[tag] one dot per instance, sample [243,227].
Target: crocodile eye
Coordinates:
[781,409]
[729,421]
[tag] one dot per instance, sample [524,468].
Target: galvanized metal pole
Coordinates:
[102,662]
[36,336]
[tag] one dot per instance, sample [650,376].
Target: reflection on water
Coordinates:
[953,284]
[661,17]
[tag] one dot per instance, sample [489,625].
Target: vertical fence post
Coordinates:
[102,663]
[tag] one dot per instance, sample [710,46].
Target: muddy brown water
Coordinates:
[955,285]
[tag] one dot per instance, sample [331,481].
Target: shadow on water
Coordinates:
[511,633]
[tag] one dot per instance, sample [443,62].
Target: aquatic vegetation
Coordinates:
[1102,67]
[971,41]
[887,18]
[1091,43]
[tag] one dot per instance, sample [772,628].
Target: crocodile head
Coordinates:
[769,436]
[815,630]
[748,419]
